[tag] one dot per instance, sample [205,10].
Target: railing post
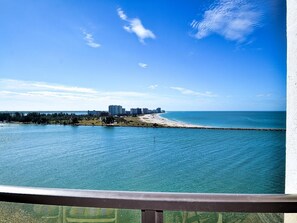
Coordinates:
[151,216]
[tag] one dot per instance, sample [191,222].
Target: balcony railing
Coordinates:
[152,204]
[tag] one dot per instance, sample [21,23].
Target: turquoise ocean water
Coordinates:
[143,159]
[246,119]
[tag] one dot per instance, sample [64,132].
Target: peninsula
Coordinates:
[142,120]
[115,116]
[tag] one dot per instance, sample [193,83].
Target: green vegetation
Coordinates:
[230,217]
[134,121]
[39,118]
[19,213]
[73,119]
[108,120]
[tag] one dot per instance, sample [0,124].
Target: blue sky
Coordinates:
[180,55]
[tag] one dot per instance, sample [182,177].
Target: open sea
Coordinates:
[231,119]
[150,159]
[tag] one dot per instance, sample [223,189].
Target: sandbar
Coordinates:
[156,118]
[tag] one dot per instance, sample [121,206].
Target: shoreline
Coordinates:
[143,121]
[167,123]
[159,126]
[156,118]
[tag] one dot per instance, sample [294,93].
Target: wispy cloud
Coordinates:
[19,95]
[143,65]
[20,85]
[88,37]
[154,86]
[123,94]
[121,14]
[233,19]
[266,95]
[194,93]
[41,92]
[135,26]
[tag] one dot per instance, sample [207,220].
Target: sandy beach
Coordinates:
[156,118]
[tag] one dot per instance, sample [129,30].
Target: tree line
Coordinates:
[51,118]
[40,118]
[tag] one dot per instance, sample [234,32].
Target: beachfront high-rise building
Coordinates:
[135,111]
[115,109]
[145,111]
[119,110]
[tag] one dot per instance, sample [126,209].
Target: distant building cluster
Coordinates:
[118,110]
[98,113]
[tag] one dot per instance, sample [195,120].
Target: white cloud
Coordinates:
[264,95]
[154,86]
[123,94]
[9,86]
[32,95]
[233,19]
[30,85]
[194,93]
[121,14]
[143,65]
[135,26]
[88,37]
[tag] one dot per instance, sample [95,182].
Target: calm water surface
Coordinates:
[240,119]
[142,159]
